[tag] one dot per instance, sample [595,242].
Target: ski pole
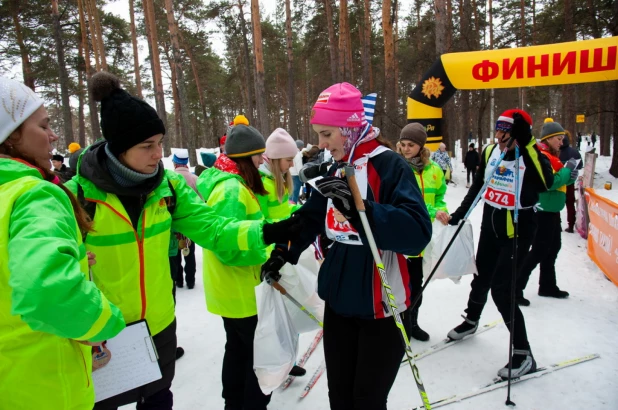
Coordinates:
[513,276]
[392,303]
[462,222]
[272,282]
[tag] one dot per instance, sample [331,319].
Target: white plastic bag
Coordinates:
[300,281]
[458,261]
[275,345]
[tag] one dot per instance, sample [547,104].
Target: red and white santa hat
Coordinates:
[505,120]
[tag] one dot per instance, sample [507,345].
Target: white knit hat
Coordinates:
[17,103]
[280,145]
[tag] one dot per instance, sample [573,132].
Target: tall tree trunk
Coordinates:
[568,91]
[97,34]
[293,125]
[67,118]
[179,140]
[198,86]
[389,124]
[492,102]
[466,43]
[366,37]
[187,137]
[248,70]
[344,73]
[26,65]
[449,25]
[613,169]
[138,81]
[332,40]
[153,42]
[92,105]
[260,91]
[93,35]
[442,11]
[81,121]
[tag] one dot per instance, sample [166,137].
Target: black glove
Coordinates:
[338,190]
[521,130]
[455,218]
[572,165]
[273,265]
[283,231]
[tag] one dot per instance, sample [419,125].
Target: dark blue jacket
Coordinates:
[567,152]
[348,280]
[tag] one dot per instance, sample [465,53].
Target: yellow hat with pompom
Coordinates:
[74,146]
[241,119]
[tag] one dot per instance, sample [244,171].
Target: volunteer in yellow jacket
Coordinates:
[230,276]
[49,311]
[277,180]
[135,204]
[430,180]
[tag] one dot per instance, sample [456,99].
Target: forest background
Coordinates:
[202,62]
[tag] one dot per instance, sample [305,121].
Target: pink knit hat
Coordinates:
[340,105]
[280,145]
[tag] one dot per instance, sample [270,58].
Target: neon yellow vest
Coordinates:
[132,267]
[38,370]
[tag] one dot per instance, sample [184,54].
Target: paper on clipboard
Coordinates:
[134,363]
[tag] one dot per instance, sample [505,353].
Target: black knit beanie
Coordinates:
[125,120]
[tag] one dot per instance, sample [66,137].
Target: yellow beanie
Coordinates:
[241,119]
[74,146]
[548,120]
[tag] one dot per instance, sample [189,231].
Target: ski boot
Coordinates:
[297,371]
[416,332]
[523,363]
[466,328]
[554,293]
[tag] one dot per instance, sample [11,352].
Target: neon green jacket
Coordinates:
[230,276]
[46,299]
[272,209]
[132,266]
[433,187]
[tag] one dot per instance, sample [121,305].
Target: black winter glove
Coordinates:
[455,218]
[283,231]
[338,190]
[572,165]
[273,265]
[521,130]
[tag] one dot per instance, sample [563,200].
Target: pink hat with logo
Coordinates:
[340,105]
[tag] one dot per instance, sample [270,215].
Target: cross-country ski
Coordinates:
[314,379]
[498,383]
[314,344]
[444,343]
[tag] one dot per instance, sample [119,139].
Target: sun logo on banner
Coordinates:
[432,87]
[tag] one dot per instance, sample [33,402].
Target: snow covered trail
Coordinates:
[585,323]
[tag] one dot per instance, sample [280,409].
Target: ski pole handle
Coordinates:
[358,199]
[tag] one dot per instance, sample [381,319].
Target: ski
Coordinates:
[313,380]
[316,341]
[499,382]
[443,344]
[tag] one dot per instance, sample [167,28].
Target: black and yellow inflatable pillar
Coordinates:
[551,64]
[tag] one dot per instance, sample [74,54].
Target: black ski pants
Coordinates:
[241,390]
[415,270]
[494,265]
[362,360]
[545,247]
[189,268]
[470,171]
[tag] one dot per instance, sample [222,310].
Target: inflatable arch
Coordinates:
[551,64]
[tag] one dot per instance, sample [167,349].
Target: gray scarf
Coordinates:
[416,163]
[122,175]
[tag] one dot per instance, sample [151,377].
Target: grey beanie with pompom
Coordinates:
[125,120]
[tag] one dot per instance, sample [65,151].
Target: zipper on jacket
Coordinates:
[140,247]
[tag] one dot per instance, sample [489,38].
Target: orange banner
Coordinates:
[603,234]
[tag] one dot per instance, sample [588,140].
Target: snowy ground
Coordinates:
[585,323]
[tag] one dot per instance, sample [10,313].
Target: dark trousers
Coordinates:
[470,171]
[494,265]
[415,270]
[189,266]
[545,247]
[241,390]
[570,204]
[362,360]
[156,395]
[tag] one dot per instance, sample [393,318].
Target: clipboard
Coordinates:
[134,362]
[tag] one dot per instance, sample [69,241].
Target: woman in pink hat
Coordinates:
[362,344]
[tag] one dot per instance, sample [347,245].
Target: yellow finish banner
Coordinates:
[551,64]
